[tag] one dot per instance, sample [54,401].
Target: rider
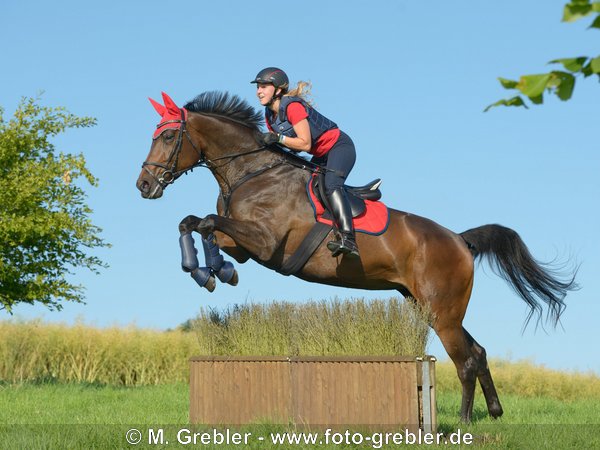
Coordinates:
[294,123]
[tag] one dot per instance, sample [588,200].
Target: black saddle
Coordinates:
[356,195]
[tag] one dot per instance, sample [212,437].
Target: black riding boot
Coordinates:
[340,207]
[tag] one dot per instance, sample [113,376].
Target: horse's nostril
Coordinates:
[144,186]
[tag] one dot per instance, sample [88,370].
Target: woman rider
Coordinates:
[294,123]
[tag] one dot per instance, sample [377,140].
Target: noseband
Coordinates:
[170,172]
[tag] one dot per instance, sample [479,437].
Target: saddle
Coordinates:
[356,195]
[370,216]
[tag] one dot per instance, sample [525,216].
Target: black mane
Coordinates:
[226,105]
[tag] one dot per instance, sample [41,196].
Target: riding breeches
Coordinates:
[339,161]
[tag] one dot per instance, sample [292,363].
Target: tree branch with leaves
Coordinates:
[558,82]
[45,227]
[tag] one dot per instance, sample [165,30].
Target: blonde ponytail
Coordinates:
[302,90]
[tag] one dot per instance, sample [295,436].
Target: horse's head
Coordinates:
[170,154]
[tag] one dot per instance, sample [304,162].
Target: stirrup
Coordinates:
[343,246]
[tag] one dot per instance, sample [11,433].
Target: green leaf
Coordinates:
[507,84]
[596,7]
[595,64]
[564,83]
[515,101]
[537,100]
[533,85]
[596,23]
[575,11]
[571,64]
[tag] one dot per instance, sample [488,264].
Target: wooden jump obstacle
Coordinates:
[372,392]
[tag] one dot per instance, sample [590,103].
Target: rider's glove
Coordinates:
[272,138]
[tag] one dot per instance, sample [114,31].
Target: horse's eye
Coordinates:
[168,136]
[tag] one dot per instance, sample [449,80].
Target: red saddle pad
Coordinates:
[374,220]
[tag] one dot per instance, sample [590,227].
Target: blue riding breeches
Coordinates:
[339,161]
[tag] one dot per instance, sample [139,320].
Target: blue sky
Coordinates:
[407,80]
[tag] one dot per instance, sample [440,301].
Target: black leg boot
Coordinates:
[343,217]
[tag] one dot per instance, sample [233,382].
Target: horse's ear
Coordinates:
[170,104]
[160,109]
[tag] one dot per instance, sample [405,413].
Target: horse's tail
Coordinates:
[510,259]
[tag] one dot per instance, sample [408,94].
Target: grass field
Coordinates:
[72,387]
[54,415]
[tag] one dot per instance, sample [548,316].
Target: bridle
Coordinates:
[170,172]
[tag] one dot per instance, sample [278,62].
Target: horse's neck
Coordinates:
[230,152]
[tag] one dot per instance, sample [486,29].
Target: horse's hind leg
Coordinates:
[471,364]
[485,377]
[457,346]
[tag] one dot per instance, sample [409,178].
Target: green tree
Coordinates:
[45,226]
[559,82]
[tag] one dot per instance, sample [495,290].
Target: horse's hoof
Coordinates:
[495,411]
[234,279]
[211,284]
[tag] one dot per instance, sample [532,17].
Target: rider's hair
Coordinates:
[301,90]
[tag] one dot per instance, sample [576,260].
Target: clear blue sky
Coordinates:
[407,80]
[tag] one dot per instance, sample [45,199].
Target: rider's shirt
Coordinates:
[324,132]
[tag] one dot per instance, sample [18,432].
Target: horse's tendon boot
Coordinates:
[223,269]
[204,277]
[189,260]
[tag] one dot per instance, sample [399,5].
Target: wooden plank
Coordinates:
[307,358]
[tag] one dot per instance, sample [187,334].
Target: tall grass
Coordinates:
[324,328]
[35,351]
[525,379]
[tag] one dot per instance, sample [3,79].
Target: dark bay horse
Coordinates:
[263,213]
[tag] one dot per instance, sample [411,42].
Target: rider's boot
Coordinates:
[340,207]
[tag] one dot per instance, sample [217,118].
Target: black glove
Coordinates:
[269,138]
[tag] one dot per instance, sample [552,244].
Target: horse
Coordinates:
[263,214]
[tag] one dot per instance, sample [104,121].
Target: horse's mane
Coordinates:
[226,105]
[234,108]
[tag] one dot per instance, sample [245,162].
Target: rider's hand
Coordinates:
[270,138]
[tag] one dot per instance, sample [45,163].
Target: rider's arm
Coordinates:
[297,115]
[302,141]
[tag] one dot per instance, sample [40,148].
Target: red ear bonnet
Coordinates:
[170,115]
[160,109]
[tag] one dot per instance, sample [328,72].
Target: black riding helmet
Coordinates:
[274,76]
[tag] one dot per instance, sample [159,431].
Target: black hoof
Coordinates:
[495,411]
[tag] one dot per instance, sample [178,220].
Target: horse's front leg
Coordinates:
[215,263]
[229,247]
[252,237]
